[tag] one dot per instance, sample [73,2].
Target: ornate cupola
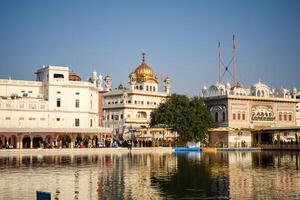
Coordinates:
[144,73]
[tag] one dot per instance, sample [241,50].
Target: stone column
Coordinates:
[19,142]
[72,142]
[31,142]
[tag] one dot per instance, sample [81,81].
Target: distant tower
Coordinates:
[107,82]
[294,93]
[99,82]
[204,91]
[132,80]
[94,77]
[167,82]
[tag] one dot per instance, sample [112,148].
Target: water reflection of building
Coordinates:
[57,109]
[254,175]
[110,176]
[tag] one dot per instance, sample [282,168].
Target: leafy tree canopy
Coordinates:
[190,118]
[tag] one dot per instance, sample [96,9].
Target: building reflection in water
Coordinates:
[235,175]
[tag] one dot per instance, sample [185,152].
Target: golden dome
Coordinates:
[143,70]
[144,73]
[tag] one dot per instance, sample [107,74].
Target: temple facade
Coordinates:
[56,110]
[127,110]
[255,116]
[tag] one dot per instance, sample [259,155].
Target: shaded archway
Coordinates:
[37,142]
[2,141]
[26,142]
[86,141]
[12,142]
[78,141]
[95,141]
[48,142]
[64,141]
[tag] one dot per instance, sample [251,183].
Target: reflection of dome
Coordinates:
[144,73]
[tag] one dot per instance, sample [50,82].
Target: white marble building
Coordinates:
[128,109]
[57,109]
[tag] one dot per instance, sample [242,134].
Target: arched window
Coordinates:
[233,116]
[290,117]
[239,116]
[147,88]
[223,117]
[280,116]
[150,88]
[153,88]
[284,117]
[262,93]
[216,117]
[258,93]
[243,116]
[141,87]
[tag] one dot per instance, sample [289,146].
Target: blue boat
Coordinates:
[187,149]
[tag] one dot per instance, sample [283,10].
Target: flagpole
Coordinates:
[219,60]
[234,59]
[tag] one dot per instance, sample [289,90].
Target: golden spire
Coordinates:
[143,57]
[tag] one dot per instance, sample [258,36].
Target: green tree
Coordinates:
[190,118]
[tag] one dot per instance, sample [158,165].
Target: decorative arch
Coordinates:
[12,141]
[26,140]
[64,141]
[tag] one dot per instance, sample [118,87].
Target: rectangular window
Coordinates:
[91,104]
[243,116]
[77,122]
[22,105]
[42,119]
[121,116]
[7,118]
[58,92]
[58,102]
[91,122]
[21,118]
[290,117]
[233,116]
[43,107]
[57,119]
[284,117]
[77,93]
[239,116]
[58,76]
[77,103]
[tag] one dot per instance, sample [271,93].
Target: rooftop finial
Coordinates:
[143,57]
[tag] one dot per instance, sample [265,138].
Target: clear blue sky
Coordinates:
[179,37]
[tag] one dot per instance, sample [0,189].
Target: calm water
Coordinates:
[242,175]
